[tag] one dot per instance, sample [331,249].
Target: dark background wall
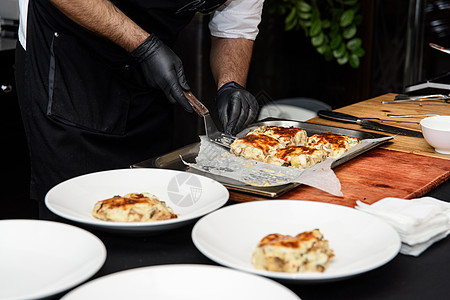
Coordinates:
[286,65]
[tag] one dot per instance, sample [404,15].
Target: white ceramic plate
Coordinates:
[361,242]
[189,195]
[42,258]
[187,282]
[284,111]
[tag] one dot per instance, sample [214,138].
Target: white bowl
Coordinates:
[436,131]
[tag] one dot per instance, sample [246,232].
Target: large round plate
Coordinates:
[189,195]
[199,282]
[360,241]
[42,258]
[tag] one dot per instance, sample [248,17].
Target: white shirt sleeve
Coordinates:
[237,19]
[23,14]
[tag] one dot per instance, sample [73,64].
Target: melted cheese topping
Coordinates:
[297,156]
[133,207]
[334,144]
[305,252]
[255,146]
[289,136]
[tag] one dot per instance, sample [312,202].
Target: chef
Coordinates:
[97,79]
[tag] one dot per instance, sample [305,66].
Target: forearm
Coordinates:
[230,60]
[105,19]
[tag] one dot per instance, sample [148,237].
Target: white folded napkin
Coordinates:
[420,222]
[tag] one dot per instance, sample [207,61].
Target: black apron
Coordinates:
[85,105]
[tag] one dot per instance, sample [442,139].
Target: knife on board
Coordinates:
[337,116]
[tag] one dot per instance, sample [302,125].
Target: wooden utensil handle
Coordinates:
[196,104]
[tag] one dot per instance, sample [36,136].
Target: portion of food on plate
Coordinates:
[306,252]
[288,136]
[133,207]
[290,146]
[301,157]
[334,144]
[255,146]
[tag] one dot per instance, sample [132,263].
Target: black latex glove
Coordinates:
[236,106]
[163,69]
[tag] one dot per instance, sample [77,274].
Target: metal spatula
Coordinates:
[212,132]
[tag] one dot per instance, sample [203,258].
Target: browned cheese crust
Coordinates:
[334,144]
[288,136]
[305,252]
[255,146]
[297,156]
[134,207]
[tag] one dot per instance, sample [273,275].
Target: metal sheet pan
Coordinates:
[173,161]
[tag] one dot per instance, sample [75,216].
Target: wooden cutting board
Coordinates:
[406,168]
[373,176]
[374,108]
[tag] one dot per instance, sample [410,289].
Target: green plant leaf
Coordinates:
[291,25]
[303,6]
[316,27]
[305,23]
[359,52]
[290,16]
[343,59]
[291,21]
[349,32]
[326,24]
[353,60]
[347,17]
[336,41]
[318,39]
[305,16]
[339,51]
[354,44]
[323,49]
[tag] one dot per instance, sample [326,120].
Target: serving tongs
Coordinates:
[212,132]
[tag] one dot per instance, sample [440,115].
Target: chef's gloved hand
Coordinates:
[163,69]
[236,106]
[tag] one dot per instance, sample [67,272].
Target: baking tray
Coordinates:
[173,161]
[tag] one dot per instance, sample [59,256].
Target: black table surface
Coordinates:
[405,277]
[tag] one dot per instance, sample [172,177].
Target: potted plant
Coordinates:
[331,25]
